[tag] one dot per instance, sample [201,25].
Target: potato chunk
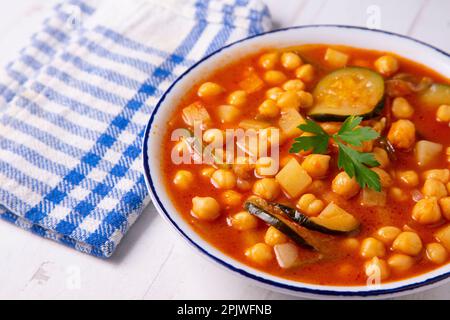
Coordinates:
[286,254]
[335,218]
[425,151]
[196,113]
[289,121]
[293,179]
[335,58]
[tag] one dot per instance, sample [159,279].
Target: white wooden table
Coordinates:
[153,262]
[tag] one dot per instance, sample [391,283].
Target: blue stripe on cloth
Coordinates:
[90,161]
[104,73]
[225,32]
[132,199]
[43,47]
[17,75]
[96,191]
[99,50]
[86,87]
[6,93]
[40,161]
[131,44]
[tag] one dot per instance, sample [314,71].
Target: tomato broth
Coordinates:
[348,254]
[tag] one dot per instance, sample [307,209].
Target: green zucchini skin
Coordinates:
[324,117]
[277,223]
[304,220]
[376,109]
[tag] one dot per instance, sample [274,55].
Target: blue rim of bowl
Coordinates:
[242,272]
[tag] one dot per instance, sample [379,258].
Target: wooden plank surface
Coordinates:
[152,261]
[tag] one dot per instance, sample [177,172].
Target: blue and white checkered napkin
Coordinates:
[74,105]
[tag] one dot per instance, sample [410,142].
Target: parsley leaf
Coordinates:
[318,142]
[356,136]
[354,163]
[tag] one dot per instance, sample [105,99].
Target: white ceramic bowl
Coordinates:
[320,34]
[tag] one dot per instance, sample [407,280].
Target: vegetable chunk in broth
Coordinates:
[321,164]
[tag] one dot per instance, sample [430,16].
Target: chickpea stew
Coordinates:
[353,177]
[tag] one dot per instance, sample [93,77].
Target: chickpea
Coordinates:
[400,262]
[306,99]
[387,234]
[209,89]
[386,65]
[443,113]
[294,85]
[243,221]
[442,175]
[290,60]
[243,167]
[385,178]
[243,185]
[398,194]
[434,188]
[183,179]
[331,127]
[213,135]
[305,73]
[289,99]
[228,113]
[231,198]
[316,165]
[350,244]
[260,253]
[345,186]
[207,172]
[237,98]
[381,156]
[309,204]
[436,253]
[447,153]
[366,146]
[223,179]
[268,60]
[426,211]
[317,186]
[445,207]
[274,93]
[269,109]
[274,77]
[205,208]
[273,237]
[443,236]
[377,268]
[267,188]
[408,242]
[402,134]
[265,166]
[371,247]
[402,109]
[408,178]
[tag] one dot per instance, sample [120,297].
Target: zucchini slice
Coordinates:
[346,226]
[277,221]
[436,95]
[352,91]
